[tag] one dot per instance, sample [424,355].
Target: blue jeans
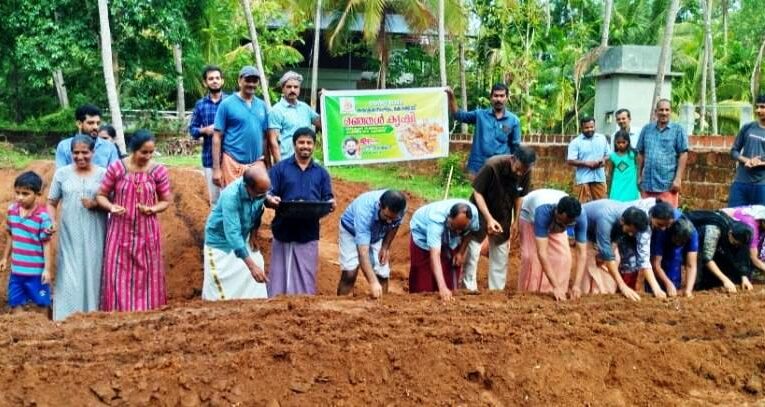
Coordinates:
[745,193]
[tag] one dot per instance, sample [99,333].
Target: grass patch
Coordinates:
[15,158]
[396,177]
[179,160]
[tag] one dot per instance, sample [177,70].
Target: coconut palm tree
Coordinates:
[109,79]
[666,43]
[256,50]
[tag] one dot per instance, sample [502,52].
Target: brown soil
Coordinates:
[487,349]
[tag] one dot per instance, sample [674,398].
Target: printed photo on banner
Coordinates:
[387,125]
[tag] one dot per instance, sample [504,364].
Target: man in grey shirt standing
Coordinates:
[748,149]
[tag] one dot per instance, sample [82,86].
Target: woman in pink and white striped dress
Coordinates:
[134,191]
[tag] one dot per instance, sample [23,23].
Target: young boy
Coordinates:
[29,229]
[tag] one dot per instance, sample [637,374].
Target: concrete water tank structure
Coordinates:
[625,80]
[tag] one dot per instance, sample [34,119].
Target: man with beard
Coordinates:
[240,129]
[497,130]
[588,153]
[748,150]
[662,155]
[287,116]
[295,247]
[87,118]
[202,119]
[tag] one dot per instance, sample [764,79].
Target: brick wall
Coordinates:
[705,186]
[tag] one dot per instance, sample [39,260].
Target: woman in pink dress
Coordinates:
[134,191]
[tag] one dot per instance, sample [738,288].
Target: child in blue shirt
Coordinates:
[29,230]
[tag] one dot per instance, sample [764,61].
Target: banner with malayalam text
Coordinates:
[386,125]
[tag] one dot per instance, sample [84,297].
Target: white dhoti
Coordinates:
[228,278]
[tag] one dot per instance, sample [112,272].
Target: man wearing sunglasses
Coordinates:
[545,251]
[240,130]
[233,267]
[497,192]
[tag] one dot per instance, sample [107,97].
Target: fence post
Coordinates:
[746,115]
[687,117]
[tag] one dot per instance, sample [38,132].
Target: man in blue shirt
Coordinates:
[233,268]
[497,130]
[662,155]
[288,115]
[367,229]
[673,250]
[240,130]
[588,153]
[87,118]
[295,247]
[202,123]
[439,238]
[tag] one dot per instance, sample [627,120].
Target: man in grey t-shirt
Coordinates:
[748,186]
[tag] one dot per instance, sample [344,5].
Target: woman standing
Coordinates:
[134,191]
[81,234]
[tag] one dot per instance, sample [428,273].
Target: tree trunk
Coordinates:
[463,85]
[382,47]
[106,61]
[58,81]
[607,10]
[703,68]
[666,47]
[315,63]
[725,19]
[180,104]
[709,44]
[441,43]
[755,82]
[256,51]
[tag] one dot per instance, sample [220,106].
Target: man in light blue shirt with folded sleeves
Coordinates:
[88,119]
[367,229]
[232,268]
[588,153]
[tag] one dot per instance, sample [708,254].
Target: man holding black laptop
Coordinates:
[301,193]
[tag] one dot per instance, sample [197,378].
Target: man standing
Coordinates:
[232,269]
[295,247]
[87,119]
[287,116]
[497,130]
[240,128]
[748,150]
[367,229]
[202,123]
[662,155]
[588,153]
[437,245]
[497,193]
[624,121]
[545,251]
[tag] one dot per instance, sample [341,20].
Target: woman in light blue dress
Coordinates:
[81,232]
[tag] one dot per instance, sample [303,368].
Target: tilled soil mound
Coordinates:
[487,349]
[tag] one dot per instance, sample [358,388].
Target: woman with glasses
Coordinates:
[545,252]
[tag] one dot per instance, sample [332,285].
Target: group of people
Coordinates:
[253,158]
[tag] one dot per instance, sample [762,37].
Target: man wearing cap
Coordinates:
[287,116]
[240,129]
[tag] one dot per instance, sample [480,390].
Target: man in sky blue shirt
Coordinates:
[367,229]
[497,130]
[231,268]
[87,118]
[662,155]
[588,153]
[439,237]
[288,115]
[240,130]
[202,123]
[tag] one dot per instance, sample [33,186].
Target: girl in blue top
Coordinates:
[622,169]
